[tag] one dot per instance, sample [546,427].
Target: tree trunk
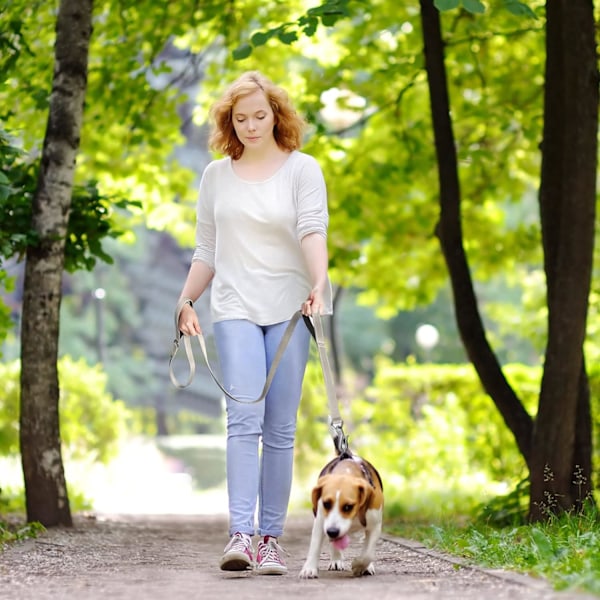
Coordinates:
[562,437]
[45,486]
[449,231]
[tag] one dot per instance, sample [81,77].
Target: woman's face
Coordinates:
[253,120]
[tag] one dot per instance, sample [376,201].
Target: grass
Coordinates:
[13,525]
[565,550]
[14,530]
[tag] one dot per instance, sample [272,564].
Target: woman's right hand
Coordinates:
[188,321]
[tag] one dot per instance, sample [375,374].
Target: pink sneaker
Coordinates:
[237,555]
[269,558]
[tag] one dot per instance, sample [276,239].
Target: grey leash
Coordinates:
[192,363]
[336,424]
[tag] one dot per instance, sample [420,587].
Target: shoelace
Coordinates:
[239,543]
[271,552]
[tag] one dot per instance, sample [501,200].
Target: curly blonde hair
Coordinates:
[289,125]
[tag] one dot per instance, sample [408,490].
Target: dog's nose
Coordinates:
[333,533]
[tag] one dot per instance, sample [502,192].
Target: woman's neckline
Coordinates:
[265,179]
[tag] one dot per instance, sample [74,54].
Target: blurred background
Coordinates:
[408,394]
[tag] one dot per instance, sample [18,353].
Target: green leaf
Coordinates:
[443,5]
[287,37]
[519,8]
[241,52]
[474,6]
[542,543]
[260,38]
[310,25]
[331,18]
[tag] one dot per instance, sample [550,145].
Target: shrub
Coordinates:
[91,421]
[439,441]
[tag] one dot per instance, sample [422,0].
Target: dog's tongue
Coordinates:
[341,543]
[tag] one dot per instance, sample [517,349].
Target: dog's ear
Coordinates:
[365,492]
[316,494]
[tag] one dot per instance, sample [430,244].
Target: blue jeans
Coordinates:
[246,352]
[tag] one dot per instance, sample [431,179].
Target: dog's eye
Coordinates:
[327,504]
[347,508]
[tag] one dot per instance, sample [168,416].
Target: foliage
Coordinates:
[439,441]
[378,159]
[91,219]
[444,419]
[478,7]
[14,532]
[327,14]
[91,420]
[132,322]
[6,284]
[12,501]
[508,509]
[565,550]
[8,154]
[131,125]
[17,182]
[381,198]
[382,202]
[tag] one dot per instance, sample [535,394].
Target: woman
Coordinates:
[261,240]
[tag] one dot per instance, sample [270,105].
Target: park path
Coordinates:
[146,557]
[151,537]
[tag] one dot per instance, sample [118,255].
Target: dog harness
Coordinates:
[347,455]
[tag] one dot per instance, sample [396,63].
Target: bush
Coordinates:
[435,435]
[91,421]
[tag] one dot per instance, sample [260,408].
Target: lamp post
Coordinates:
[99,296]
[427,337]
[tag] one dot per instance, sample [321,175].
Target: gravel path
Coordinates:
[157,557]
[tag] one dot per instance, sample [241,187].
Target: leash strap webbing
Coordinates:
[336,424]
[327,374]
[192,363]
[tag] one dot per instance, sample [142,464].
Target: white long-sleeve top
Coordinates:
[249,234]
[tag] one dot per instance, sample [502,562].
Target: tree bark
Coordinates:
[449,231]
[45,485]
[562,436]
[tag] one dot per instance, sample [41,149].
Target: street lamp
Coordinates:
[99,295]
[427,337]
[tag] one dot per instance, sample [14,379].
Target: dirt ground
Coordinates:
[155,557]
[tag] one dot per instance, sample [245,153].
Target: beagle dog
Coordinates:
[348,497]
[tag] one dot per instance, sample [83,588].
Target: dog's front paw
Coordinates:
[336,565]
[362,566]
[309,572]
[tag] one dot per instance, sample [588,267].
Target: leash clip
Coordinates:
[340,440]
